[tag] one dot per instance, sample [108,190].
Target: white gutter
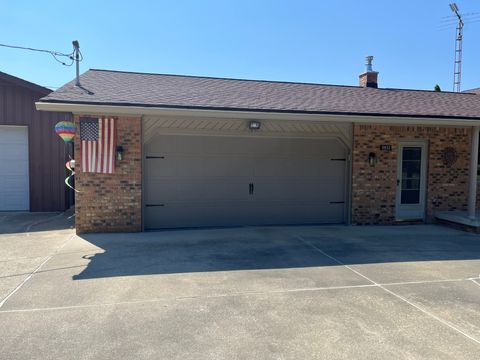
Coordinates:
[86,109]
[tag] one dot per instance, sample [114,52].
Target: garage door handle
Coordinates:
[250,189]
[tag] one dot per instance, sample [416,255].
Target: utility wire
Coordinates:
[55,54]
[464,15]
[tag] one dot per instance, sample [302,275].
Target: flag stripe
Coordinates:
[82,147]
[89,159]
[94,155]
[110,158]
[99,147]
[107,148]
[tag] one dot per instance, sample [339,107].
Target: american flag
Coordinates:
[97,150]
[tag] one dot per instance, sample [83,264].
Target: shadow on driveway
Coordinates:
[21,222]
[188,251]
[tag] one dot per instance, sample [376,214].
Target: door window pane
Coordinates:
[411,184]
[410,196]
[411,169]
[411,172]
[412,153]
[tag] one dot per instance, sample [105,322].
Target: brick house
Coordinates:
[201,151]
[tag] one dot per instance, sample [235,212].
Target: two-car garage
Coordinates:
[218,175]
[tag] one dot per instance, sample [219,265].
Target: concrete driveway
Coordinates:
[313,292]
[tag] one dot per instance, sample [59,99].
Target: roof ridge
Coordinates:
[224,78]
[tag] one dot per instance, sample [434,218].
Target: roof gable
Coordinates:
[13,80]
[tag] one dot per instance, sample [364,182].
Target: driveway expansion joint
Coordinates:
[231,295]
[38,268]
[426,312]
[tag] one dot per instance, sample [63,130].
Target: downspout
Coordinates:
[472,189]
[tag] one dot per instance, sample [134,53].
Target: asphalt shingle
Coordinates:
[106,87]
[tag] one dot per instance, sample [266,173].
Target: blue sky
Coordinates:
[306,41]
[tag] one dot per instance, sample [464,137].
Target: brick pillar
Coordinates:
[112,202]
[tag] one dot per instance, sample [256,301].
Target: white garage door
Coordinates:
[14,182]
[195,181]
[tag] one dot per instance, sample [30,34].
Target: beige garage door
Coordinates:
[195,181]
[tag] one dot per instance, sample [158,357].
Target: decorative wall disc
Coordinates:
[449,156]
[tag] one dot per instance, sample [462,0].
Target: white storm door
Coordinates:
[411,180]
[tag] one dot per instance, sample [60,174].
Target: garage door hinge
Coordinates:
[155,157]
[338,159]
[337,202]
[152,205]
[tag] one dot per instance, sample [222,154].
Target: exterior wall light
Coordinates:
[372,159]
[254,125]
[119,153]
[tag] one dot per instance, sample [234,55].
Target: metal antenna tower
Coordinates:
[457,69]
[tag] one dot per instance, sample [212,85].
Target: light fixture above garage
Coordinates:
[254,125]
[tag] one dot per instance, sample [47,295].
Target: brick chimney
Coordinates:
[369,78]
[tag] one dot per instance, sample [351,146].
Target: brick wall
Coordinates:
[112,202]
[374,187]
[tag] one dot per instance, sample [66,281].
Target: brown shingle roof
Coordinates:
[107,87]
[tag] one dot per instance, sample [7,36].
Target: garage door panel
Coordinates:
[10,151]
[300,213]
[169,190]
[213,166]
[286,147]
[198,215]
[298,166]
[192,145]
[298,190]
[198,166]
[17,170]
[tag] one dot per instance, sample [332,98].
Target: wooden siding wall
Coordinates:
[46,149]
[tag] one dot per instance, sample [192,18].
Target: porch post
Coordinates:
[472,190]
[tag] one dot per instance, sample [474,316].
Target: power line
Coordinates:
[464,15]
[55,54]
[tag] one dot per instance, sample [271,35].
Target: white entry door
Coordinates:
[411,180]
